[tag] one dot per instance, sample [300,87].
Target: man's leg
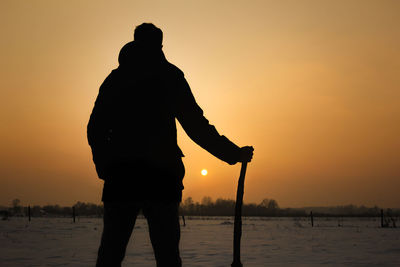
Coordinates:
[119,220]
[164,231]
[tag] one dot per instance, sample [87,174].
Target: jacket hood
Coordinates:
[133,54]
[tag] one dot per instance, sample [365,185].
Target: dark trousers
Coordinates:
[119,220]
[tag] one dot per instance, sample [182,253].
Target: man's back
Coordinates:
[133,125]
[137,103]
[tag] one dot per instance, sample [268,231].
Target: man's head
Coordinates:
[148,35]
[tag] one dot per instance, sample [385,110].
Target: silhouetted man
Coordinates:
[132,133]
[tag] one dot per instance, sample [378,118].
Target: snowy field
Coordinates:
[208,242]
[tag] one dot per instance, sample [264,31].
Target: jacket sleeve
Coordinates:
[97,123]
[198,128]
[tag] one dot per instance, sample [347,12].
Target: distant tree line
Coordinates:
[81,209]
[270,207]
[226,207]
[207,207]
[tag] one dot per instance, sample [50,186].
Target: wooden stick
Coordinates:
[237,232]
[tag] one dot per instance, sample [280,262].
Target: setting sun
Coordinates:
[204,172]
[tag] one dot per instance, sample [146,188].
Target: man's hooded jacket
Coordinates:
[132,128]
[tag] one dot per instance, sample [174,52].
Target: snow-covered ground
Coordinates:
[208,242]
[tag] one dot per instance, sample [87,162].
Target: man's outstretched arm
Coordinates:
[191,117]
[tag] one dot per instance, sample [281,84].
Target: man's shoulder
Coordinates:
[172,69]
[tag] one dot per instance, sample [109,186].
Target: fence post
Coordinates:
[29,213]
[73,213]
[183,218]
[382,218]
[312,219]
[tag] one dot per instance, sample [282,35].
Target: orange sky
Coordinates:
[312,85]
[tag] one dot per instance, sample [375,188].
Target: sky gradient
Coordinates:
[314,86]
